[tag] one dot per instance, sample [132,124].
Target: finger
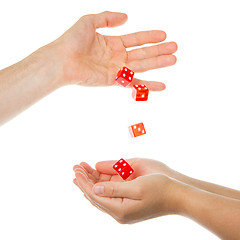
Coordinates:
[75,182]
[92,174]
[106,167]
[152,85]
[153,51]
[143,37]
[90,170]
[81,169]
[152,63]
[77,167]
[116,190]
[106,19]
[89,176]
[83,182]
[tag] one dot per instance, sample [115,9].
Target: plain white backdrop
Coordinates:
[193,126]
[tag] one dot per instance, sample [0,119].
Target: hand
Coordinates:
[156,195]
[128,202]
[91,59]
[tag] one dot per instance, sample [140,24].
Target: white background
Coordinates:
[193,126]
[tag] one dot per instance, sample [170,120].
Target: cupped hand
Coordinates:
[91,59]
[141,198]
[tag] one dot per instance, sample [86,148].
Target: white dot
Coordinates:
[119,169]
[116,77]
[143,96]
[115,166]
[124,164]
[122,81]
[142,131]
[122,173]
[143,85]
[136,86]
[129,78]
[131,72]
[125,69]
[124,74]
[139,129]
[134,127]
[120,160]
[130,171]
[146,88]
[139,88]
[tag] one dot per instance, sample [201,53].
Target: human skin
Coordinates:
[84,57]
[148,166]
[155,190]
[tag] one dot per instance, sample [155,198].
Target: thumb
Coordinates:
[116,189]
[106,19]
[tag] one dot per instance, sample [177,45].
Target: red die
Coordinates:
[124,76]
[140,92]
[137,130]
[123,169]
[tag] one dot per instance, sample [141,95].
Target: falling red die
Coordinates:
[124,76]
[123,169]
[137,130]
[140,92]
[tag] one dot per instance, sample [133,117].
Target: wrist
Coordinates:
[176,175]
[49,60]
[177,192]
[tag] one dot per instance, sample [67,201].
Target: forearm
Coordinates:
[27,81]
[219,214]
[210,187]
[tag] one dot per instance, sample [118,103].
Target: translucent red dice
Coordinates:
[123,169]
[137,130]
[124,76]
[140,92]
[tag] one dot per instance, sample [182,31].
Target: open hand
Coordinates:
[91,59]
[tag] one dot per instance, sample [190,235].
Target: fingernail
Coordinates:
[99,189]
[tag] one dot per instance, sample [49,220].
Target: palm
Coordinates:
[105,56]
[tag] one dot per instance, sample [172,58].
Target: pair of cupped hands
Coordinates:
[92,59]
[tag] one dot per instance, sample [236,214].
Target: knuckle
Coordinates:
[111,191]
[86,17]
[106,12]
